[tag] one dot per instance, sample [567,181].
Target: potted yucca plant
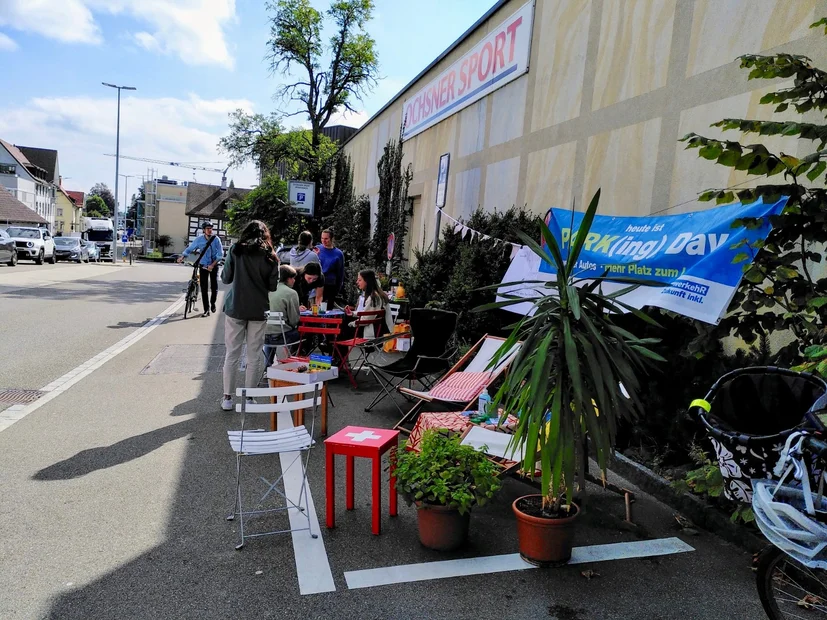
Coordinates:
[576,373]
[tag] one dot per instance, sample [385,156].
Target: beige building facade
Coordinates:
[610,88]
[165,213]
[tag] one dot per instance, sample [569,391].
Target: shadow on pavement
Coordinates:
[120,291]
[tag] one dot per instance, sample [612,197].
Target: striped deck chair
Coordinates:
[459,388]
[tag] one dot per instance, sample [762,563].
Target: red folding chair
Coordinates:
[343,348]
[321,326]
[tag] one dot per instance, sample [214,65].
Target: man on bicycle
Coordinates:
[211,251]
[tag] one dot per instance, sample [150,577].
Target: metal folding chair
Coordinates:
[343,348]
[276,319]
[293,444]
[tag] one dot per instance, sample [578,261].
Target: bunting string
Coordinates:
[463,230]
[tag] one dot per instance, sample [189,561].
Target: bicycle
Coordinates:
[791,576]
[191,292]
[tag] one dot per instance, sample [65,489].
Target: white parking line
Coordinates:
[61,384]
[312,563]
[425,571]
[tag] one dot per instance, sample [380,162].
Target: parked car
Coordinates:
[8,252]
[71,248]
[94,251]
[33,243]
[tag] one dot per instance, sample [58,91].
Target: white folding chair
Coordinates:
[292,443]
[276,319]
[394,308]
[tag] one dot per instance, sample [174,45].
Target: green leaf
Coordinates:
[754,275]
[817,302]
[741,257]
[786,273]
[582,233]
[817,171]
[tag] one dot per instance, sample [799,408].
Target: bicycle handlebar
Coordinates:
[816,445]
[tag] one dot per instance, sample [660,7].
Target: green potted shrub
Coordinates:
[576,373]
[445,480]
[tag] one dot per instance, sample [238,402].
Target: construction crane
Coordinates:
[178,164]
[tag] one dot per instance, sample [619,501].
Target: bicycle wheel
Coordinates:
[189,300]
[788,589]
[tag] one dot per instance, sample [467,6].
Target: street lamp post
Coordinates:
[117,161]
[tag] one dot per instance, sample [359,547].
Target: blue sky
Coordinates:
[192,61]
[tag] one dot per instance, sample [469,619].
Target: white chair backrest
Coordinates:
[394,308]
[275,318]
[486,353]
[306,400]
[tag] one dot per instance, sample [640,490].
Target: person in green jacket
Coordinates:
[251,270]
[286,301]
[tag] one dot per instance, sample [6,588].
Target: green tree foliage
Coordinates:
[781,289]
[451,277]
[268,203]
[132,212]
[97,207]
[103,191]
[332,75]
[393,206]
[163,241]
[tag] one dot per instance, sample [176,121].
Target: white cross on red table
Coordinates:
[360,437]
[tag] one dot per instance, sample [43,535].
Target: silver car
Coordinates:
[94,251]
[71,248]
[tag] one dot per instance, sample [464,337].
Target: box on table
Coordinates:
[288,372]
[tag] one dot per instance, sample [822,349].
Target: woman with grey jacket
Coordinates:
[251,270]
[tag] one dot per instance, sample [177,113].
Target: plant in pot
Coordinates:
[576,374]
[445,480]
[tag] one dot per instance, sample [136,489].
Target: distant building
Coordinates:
[68,211]
[13,212]
[164,213]
[209,202]
[30,175]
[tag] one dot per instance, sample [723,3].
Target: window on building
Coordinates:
[8,169]
[60,211]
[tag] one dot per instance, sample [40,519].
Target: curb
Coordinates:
[707,517]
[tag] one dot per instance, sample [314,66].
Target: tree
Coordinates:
[780,289]
[163,242]
[101,189]
[268,203]
[350,55]
[96,207]
[393,206]
[132,212]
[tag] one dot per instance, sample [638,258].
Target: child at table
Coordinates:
[372,298]
[309,282]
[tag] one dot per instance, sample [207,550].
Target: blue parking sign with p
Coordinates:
[300,197]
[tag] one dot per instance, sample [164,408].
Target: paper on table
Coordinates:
[497,443]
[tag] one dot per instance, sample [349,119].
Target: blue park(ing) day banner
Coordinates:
[690,255]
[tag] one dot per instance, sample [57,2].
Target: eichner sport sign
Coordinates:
[501,57]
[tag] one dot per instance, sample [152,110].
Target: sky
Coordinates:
[192,62]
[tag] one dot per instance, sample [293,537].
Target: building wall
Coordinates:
[64,214]
[172,219]
[612,85]
[21,184]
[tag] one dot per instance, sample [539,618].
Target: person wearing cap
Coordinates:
[210,252]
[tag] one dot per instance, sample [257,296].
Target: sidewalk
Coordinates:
[116,503]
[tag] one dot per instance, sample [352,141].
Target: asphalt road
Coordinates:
[114,493]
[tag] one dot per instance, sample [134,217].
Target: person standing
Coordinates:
[333,266]
[211,252]
[303,253]
[252,272]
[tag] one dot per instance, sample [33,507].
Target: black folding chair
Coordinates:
[432,333]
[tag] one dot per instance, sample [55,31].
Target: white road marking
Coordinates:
[312,563]
[61,384]
[425,571]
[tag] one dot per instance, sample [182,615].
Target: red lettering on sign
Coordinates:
[450,91]
[512,30]
[485,63]
[499,44]
[472,66]
[443,90]
[463,77]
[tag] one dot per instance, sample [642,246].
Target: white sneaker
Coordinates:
[227,404]
[251,400]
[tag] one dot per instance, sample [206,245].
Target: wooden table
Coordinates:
[298,415]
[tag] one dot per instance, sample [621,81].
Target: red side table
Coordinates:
[371,443]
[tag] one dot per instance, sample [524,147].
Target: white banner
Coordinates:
[501,57]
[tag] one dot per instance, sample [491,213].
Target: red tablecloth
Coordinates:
[452,421]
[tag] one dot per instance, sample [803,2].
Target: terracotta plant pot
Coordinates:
[544,541]
[442,528]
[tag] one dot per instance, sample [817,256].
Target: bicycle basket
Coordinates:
[749,413]
[781,517]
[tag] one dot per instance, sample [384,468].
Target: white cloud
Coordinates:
[351,119]
[191,29]
[7,44]
[82,129]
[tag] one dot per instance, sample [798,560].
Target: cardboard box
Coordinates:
[284,372]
